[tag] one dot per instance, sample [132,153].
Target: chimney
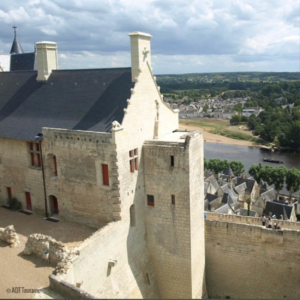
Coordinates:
[140,52]
[46,54]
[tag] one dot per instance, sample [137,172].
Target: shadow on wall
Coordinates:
[139,258]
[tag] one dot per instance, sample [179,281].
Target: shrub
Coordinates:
[14,204]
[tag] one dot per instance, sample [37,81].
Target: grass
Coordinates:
[235,135]
[223,127]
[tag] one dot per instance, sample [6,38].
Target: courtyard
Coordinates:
[30,272]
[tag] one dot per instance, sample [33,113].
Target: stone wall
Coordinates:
[172,228]
[249,220]
[248,261]
[78,185]
[17,173]
[38,243]
[131,276]
[9,236]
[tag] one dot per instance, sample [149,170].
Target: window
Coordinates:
[132,216]
[150,200]
[173,199]
[105,176]
[9,193]
[133,160]
[55,165]
[35,155]
[172,160]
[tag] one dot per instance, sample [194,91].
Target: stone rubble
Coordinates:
[37,244]
[9,236]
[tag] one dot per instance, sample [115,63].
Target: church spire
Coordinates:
[16,48]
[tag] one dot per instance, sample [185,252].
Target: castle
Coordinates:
[101,147]
[110,152]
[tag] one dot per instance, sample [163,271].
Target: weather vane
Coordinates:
[15,27]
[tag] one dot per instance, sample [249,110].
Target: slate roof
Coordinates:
[278,209]
[249,182]
[269,195]
[70,99]
[225,188]
[211,197]
[22,62]
[240,189]
[213,181]
[16,47]
[228,172]
[223,209]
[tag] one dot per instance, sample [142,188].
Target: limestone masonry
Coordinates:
[102,148]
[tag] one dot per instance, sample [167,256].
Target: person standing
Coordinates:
[270,223]
[263,220]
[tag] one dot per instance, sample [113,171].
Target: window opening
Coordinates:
[172,160]
[173,199]
[28,201]
[105,174]
[150,200]
[132,216]
[35,155]
[55,165]
[9,193]
[133,160]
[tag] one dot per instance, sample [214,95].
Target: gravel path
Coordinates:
[31,272]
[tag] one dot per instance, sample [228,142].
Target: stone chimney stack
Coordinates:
[140,52]
[46,54]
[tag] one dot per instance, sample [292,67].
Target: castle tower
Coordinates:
[16,47]
[175,214]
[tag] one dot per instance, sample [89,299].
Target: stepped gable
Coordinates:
[70,99]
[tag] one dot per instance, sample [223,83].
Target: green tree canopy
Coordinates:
[256,172]
[292,181]
[237,167]
[277,176]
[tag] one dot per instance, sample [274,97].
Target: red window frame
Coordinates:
[105,175]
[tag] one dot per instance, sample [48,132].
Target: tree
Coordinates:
[256,172]
[266,174]
[217,165]
[292,181]
[277,176]
[248,201]
[235,120]
[237,167]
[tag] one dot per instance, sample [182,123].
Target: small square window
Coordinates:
[150,200]
[173,199]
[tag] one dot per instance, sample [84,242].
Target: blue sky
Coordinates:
[188,36]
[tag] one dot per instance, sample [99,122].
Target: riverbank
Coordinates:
[215,138]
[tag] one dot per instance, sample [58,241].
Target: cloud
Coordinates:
[243,33]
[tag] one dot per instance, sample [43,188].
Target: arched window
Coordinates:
[132,216]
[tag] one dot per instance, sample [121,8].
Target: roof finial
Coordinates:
[15,27]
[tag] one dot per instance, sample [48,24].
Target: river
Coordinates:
[250,155]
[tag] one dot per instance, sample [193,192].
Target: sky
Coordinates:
[193,36]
